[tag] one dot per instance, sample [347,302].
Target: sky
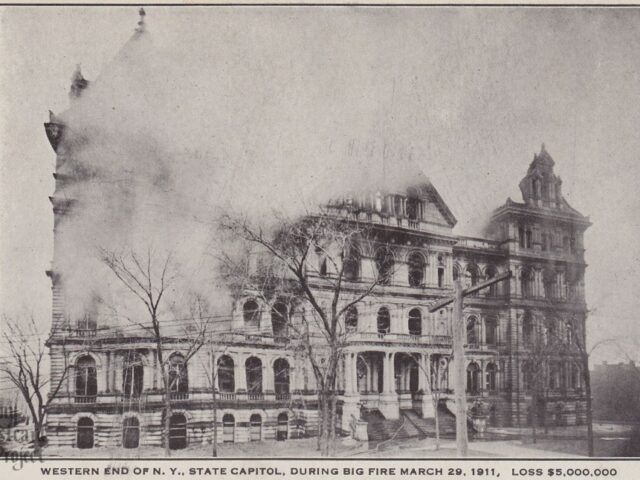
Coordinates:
[282,101]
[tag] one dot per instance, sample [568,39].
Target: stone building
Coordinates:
[114,396]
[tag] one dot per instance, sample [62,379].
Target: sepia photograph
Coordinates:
[319,231]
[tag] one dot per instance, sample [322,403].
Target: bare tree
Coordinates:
[25,368]
[148,278]
[310,263]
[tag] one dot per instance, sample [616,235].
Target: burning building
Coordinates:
[522,343]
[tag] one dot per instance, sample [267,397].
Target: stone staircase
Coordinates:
[409,425]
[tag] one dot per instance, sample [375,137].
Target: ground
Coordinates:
[611,440]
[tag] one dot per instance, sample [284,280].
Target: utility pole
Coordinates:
[459,370]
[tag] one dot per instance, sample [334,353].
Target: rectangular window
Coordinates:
[440,277]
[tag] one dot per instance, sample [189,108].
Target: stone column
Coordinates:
[107,372]
[240,372]
[267,375]
[348,375]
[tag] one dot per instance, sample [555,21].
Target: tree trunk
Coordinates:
[167,418]
[214,448]
[534,419]
[437,419]
[332,426]
[37,437]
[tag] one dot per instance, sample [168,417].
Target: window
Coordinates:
[226,374]
[281,377]
[178,374]
[351,319]
[384,265]
[440,277]
[283,427]
[491,377]
[526,282]
[545,245]
[86,379]
[472,331]
[491,331]
[251,314]
[383,320]
[84,433]
[528,238]
[87,324]
[228,428]
[130,432]
[177,431]
[351,268]
[521,237]
[255,422]
[471,277]
[414,210]
[527,329]
[456,273]
[133,375]
[416,269]
[490,273]
[253,369]
[527,376]
[473,378]
[279,320]
[415,322]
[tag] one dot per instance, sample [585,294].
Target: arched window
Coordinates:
[351,319]
[251,314]
[415,322]
[491,331]
[440,271]
[549,282]
[526,282]
[177,431]
[456,273]
[226,374]
[281,377]
[472,331]
[280,320]
[84,433]
[178,375]
[253,369]
[491,377]
[130,432]
[383,320]
[255,422]
[133,375]
[283,427]
[351,268]
[491,273]
[228,428]
[416,269]
[384,265]
[473,378]
[86,380]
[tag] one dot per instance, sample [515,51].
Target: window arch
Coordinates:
[415,322]
[178,374]
[226,374]
[283,426]
[177,431]
[280,320]
[384,265]
[351,319]
[416,269]
[84,433]
[281,377]
[472,331]
[383,320]
[491,376]
[133,375]
[253,369]
[86,379]
[472,276]
[251,314]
